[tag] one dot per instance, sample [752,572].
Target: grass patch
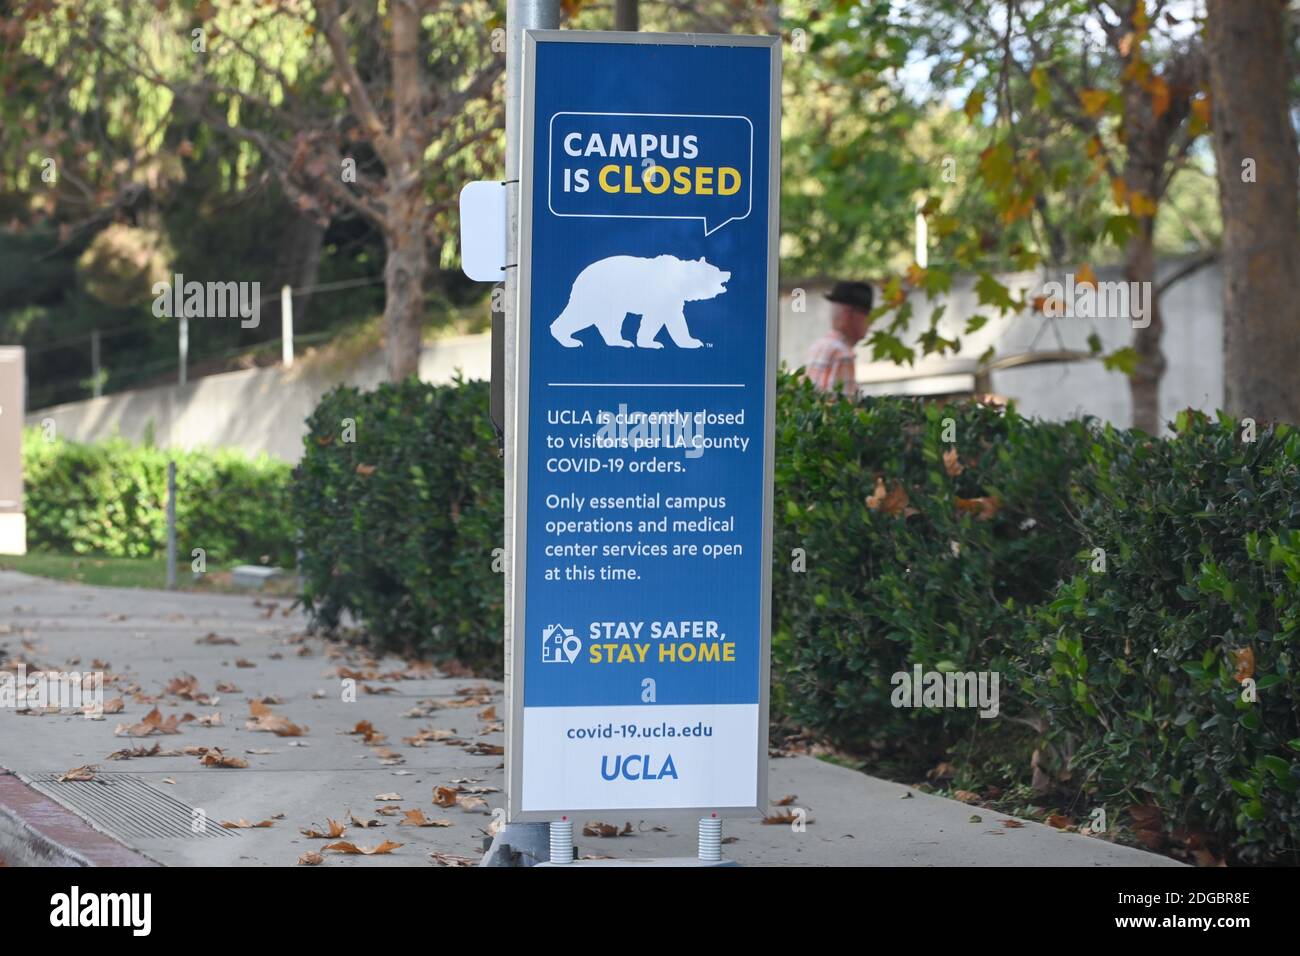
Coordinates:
[88,569]
[128,572]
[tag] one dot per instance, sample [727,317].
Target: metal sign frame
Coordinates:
[518,543]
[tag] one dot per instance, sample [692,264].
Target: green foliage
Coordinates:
[1139,668]
[399,527]
[930,568]
[110,499]
[955,536]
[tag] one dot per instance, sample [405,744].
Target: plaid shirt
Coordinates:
[832,363]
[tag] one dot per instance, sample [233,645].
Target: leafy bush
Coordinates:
[1139,668]
[400,524]
[111,499]
[955,536]
[919,550]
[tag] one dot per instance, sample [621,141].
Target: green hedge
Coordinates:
[399,499]
[938,574]
[110,499]
[959,537]
[1139,669]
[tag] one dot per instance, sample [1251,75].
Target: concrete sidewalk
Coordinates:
[419,731]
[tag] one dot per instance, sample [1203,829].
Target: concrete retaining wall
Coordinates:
[265,409]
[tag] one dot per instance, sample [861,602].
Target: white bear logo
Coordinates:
[657,289]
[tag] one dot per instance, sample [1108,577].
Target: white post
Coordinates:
[183,333]
[710,839]
[286,326]
[561,842]
[922,238]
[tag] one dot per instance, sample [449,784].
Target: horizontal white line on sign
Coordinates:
[640,385]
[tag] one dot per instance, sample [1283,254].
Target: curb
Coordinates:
[36,831]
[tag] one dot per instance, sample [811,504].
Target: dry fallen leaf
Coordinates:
[1011,824]
[311,858]
[366,730]
[386,797]
[242,824]
[424,736]
[606,830]
[388,846]
[80,773]
[1058,821]
[152,723]
[277,724]
[952,463]
[130,752]
[893,502]
[334,831]
[966,796]
[363,824]
[215,758]
[416,818]
[982,508]
[1245,664]
[1146,817]
[474,803]
[785,801]
[445,796]
[452,859]
[214,639]
[785,817]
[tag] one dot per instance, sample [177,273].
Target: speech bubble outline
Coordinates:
[550,159]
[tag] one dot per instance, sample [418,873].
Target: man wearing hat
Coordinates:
[831,361]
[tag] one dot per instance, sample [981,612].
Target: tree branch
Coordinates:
[1190,267]
[353,88]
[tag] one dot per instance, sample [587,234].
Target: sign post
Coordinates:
[645,368]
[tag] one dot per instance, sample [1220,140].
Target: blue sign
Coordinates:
[644,426]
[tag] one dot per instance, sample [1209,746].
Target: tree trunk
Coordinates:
[408,255]
[1147,142]
[1144,383]
[1249,80]
[405,267]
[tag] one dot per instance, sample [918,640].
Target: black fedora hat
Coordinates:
[855,294]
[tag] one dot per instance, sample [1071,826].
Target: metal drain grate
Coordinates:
[125,806]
